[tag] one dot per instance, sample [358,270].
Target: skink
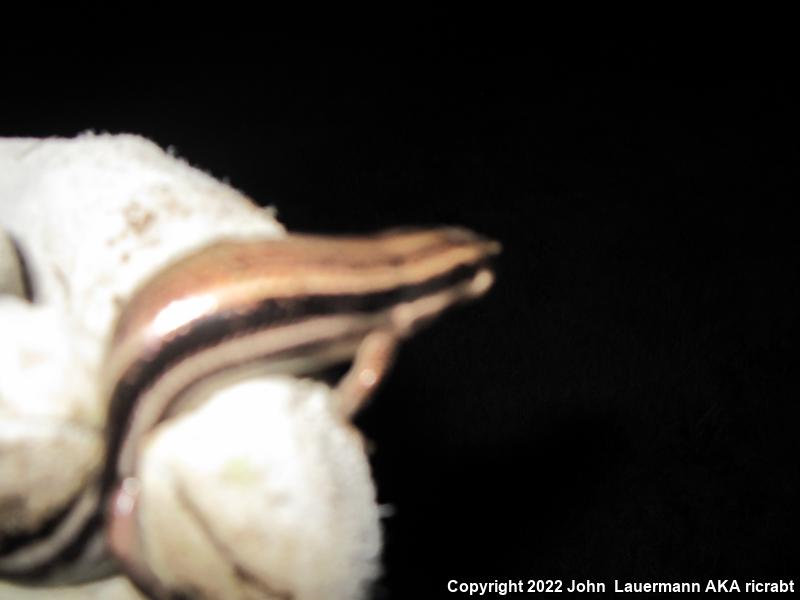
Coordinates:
[293,305]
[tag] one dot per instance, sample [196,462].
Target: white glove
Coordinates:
[241,498]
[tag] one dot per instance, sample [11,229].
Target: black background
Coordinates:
[622,405]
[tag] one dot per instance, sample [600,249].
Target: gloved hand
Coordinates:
[239,498]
